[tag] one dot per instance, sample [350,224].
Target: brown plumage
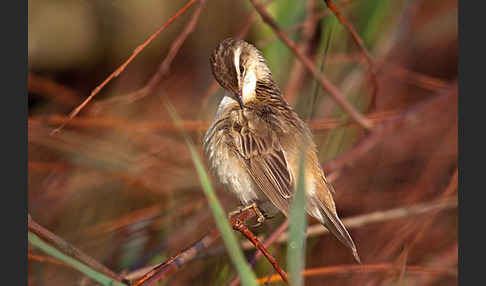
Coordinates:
[254,143]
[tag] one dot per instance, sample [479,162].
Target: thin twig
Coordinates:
[424,81]
[120,69]
[296,78]
[451,188]
[241,227]
[177,261]
[399,72]
[275,235]
[183,257]
[193,126]
[380,216]
[70,250]
[303,24]
[434,168]
[48,259]
[165,65]
[367,143]
[125,220]
[357,39]
[446,259]
[350,269]
[376,217]
[52,89]
[325,83]
[267,243]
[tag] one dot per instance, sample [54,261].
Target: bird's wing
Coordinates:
[266,163]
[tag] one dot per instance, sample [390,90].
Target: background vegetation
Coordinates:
[119,183]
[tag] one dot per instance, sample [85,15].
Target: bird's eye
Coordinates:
[242,69]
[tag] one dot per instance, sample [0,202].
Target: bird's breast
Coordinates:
[224,161]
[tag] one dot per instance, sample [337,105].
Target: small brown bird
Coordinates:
[254,143]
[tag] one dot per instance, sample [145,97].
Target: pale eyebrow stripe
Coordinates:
[236,60]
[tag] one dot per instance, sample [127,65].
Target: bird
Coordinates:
[254,144]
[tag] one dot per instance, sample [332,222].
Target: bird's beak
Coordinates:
[239,99]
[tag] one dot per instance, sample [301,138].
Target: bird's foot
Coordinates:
[254,206]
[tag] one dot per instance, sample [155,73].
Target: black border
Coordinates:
[13,119]
[471,90]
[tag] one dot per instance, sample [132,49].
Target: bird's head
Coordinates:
[238,66]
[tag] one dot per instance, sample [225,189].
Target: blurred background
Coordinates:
[118,181]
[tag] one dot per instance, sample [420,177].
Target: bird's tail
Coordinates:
[332,222]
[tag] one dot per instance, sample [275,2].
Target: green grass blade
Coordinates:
[246,274]
[95,275]
[297,227]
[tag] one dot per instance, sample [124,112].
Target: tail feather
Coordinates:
[332,222]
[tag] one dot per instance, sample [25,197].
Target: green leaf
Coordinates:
[246,274]
[93,274]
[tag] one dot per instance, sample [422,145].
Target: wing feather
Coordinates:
[266,163]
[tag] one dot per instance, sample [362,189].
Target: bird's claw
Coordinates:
[254,206]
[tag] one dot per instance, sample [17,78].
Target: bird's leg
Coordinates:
[254,206]
[260,216]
